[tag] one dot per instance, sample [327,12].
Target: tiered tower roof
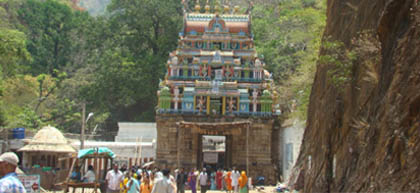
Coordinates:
[215,69]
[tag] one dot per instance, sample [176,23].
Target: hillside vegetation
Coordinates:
[54,57]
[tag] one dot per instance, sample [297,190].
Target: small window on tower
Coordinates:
[217,45]
[189,44]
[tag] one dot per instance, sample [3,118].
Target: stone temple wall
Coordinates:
[181,147]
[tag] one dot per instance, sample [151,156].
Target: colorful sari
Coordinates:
[219,175]
[192,181]
[213,181]
[243,181]
[228,181]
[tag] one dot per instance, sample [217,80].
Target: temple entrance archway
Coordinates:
[229,131]
[215,152]
[248,143]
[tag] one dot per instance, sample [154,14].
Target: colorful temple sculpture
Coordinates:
[216,84]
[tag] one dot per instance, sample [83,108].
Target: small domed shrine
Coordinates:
[216,85]
[45,149]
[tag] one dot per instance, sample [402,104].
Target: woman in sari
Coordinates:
[146,186]
[213,181]
[123,184]
[192,180]
[228,181]
[243,181]
[219,175]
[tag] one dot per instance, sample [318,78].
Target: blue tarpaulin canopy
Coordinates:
[91,151]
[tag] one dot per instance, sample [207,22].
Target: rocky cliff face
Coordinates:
[363,135]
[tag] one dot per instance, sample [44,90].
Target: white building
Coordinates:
[136,132]
[290,141]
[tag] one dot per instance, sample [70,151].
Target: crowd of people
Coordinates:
[137,180]
[224,180]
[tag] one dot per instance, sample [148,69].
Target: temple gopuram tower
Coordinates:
[216,85]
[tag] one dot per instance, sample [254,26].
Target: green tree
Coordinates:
[51,30]
[12,40]
[288,34]
[284,31]
[12,50]
[131,56]
[12,47]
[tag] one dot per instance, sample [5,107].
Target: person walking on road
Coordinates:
[243,183]
[235,177]
[192,181]
[9,181]
[164,184]
[113,180]
[228,182]
[181,178]
[203,179]
[219,179]
[146,186]
[213,181]
[132,185]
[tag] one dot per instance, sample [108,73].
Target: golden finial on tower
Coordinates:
[197,6]
[226,8]
[207,7]
[236,9]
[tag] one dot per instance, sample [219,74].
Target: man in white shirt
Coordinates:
[90,176]
[165,184]
[235,179]
[113,180]
[203,180]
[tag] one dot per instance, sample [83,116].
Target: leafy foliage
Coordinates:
[12,47]
[134,45]
[341,60]
[284,32]
[12,50]
[288,35]
[54,58]
[51,27]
